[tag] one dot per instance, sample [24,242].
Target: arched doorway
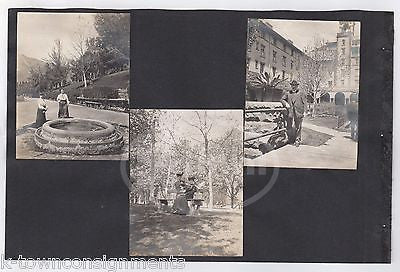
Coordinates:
[340,98]
[325,98]
[354,97]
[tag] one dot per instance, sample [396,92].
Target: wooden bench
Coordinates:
[194,205]
[92,104]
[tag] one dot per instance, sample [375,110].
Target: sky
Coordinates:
[36,32]
[302,32]
[223,121]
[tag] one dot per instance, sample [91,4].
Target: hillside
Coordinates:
[24,65]
[118,80]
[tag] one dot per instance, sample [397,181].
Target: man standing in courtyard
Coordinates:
[295,102]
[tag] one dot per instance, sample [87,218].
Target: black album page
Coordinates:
[199,135]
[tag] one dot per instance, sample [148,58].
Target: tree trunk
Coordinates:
[84,79]
[232,194]
[210,185]
[168,175]
[152,169]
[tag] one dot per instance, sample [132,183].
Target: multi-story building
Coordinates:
[346,64]
[269,52]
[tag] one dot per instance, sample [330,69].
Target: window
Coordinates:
[291,52]
[273,71]
[284,47]
[283,74]
[257,44]
[291,64]
[262,65]
[274,56]
[284,61]
[256,64]
[263,51]
[343,42]
[274,41]
[343,51]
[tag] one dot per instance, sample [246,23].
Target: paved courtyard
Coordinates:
[26,116]
[339,152]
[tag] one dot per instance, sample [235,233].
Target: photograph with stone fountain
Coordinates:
[72,89]
[302,86]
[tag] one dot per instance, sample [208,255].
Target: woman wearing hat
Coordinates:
[180,205]
[41,111]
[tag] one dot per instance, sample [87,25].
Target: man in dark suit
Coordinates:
[296,103]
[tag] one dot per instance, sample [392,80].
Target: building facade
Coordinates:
[269,52]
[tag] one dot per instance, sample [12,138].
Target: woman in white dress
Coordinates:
[63,103]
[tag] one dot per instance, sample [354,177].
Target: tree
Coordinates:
[204,125]
[113,30]
[142,149]
[57,66]
[38,79]
[315,68]
[228,158]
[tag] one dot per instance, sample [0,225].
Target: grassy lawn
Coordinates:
[212,233]
[326,121]
[313,138]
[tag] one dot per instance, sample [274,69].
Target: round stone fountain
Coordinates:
[78,136]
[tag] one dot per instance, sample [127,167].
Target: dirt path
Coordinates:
[211,233]
[26,116]
[26,113]
[339,152]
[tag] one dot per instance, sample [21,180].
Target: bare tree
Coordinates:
[315,68]
[57,66]
[204,125]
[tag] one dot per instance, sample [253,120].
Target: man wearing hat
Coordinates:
[296,103]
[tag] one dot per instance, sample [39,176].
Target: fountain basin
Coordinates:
[78,136]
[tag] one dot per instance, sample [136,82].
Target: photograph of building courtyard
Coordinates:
[302,87]
[72,86]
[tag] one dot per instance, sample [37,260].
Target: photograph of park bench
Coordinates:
[302,86]
[72,88]
[186,173]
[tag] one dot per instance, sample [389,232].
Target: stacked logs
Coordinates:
[265,128]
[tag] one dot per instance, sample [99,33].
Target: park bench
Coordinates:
[194,205]
[92,104]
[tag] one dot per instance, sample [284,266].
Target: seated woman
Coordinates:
[41,112]
[180,203]
[191,188]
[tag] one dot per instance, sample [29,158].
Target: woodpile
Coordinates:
[264,128]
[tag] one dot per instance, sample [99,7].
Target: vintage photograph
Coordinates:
[302,87]
[72,89]
[186,173]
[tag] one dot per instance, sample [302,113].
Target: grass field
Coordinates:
[212,233]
